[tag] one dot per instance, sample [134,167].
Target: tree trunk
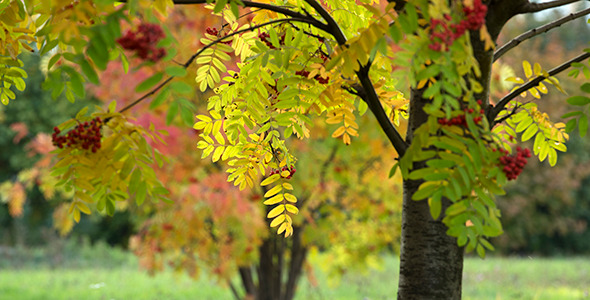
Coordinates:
[431,263]
[277,277]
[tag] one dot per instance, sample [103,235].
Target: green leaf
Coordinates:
[425,190]
[141,193]
[182,87]
[585,87]
[578,100]
[149,83]
[172,112]
[572,114]
[89,72]
[435,204]
[393,169]
[175,71]
[583,125]
[160,98]
[440,163]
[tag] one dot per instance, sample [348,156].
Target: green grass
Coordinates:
[103,273]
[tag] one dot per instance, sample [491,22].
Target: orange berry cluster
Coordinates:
[85,136]
[144,41]
[285,168]
[443,33]
[513,164]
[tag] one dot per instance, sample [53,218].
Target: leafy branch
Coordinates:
[368,93]
[504,101]
[194,56]
[278,9]
[536,31]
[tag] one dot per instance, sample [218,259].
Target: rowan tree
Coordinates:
[331,60]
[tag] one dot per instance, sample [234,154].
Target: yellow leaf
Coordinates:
[422,83]
[287,186]
[528,72]
[217,154]
[273,191]
[285,174]
[270,179]
[274,200]
[276,211]
[77,215]
[535,93]
[515,79]
[346,139]
[537,69]
[334,120]
[291,208]
[162,5]
[282,228]
[339,132]
[288,230]
[278,220]
[290,197]
[83,207]
[83,197]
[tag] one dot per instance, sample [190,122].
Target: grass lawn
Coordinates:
[116,276]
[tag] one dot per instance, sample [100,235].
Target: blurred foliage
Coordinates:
[21,124]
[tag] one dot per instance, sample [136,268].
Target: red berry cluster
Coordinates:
[85,136]
[214,32]
[318,78]
[143,41]
[513,164]
[460,119]
[285,168]
[265,38]
[446,34]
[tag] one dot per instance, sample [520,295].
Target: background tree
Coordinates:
[456,152]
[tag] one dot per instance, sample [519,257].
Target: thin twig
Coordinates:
[504,101]
[537,7]
[536,31]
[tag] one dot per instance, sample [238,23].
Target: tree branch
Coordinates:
[333,27]
[536,31]
[504,101]
[278,9]
[372,99]
[537,7]
[369,93]
[192,58]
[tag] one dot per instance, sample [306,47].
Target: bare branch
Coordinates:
[504,101]
[537,7]
[192,58]
[536,31]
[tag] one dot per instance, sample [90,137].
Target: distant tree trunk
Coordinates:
[279,269]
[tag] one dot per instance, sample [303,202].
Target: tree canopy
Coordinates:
[278,67]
